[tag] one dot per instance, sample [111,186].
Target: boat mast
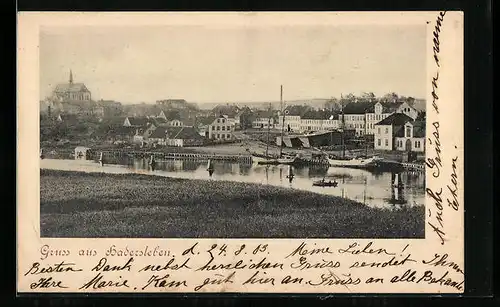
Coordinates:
[283,115]
[343,124]
[268,130]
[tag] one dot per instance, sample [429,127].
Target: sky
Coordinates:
[245,64]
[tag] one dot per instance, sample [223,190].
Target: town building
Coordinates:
[221,129]
[76,98]
[203,125]
[107,109]
[176,137]
[178,118]
[318,121]
[363,115]
[122,134]
[354,116]
[143,133]
[411,137]
[292,120]
[173,104]
[399,132]
[159,121]
[136,121]
[263,120]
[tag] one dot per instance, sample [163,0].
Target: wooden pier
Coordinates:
[413,167]
[159,156]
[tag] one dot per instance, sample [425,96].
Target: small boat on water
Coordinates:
[324,183]
[358,162]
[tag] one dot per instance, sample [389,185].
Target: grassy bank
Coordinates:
[75,204]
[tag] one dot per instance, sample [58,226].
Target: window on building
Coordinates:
[417,144]
[379,142]
[408,132]
[218,128]
[223,121]
[378,130]
[218,136]
[218,120]
[386,130]
[223,128]
[228,136]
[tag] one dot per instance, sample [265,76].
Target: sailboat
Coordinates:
[281,159]
[355,162]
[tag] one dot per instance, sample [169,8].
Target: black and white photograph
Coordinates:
[216,131]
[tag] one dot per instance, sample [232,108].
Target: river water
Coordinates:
[368,187]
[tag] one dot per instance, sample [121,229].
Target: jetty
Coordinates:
[159,156]
[411,167]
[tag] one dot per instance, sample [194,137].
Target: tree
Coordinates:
[368,95]
[246,119]
[421,116]
[332,104]
[390,97]
[350,97]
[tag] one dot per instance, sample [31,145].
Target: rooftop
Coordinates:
[139,121]
[175,133]
[70,87]
[396,119]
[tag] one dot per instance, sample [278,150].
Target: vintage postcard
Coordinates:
[283,152]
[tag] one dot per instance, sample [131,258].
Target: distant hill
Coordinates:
[315,102]
[419,104]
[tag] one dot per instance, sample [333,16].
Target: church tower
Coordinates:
[70,77]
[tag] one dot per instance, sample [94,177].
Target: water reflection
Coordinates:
[375,189]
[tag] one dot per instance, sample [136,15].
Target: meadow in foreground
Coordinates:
[77,204]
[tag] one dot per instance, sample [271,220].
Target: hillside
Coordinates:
[315,102]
